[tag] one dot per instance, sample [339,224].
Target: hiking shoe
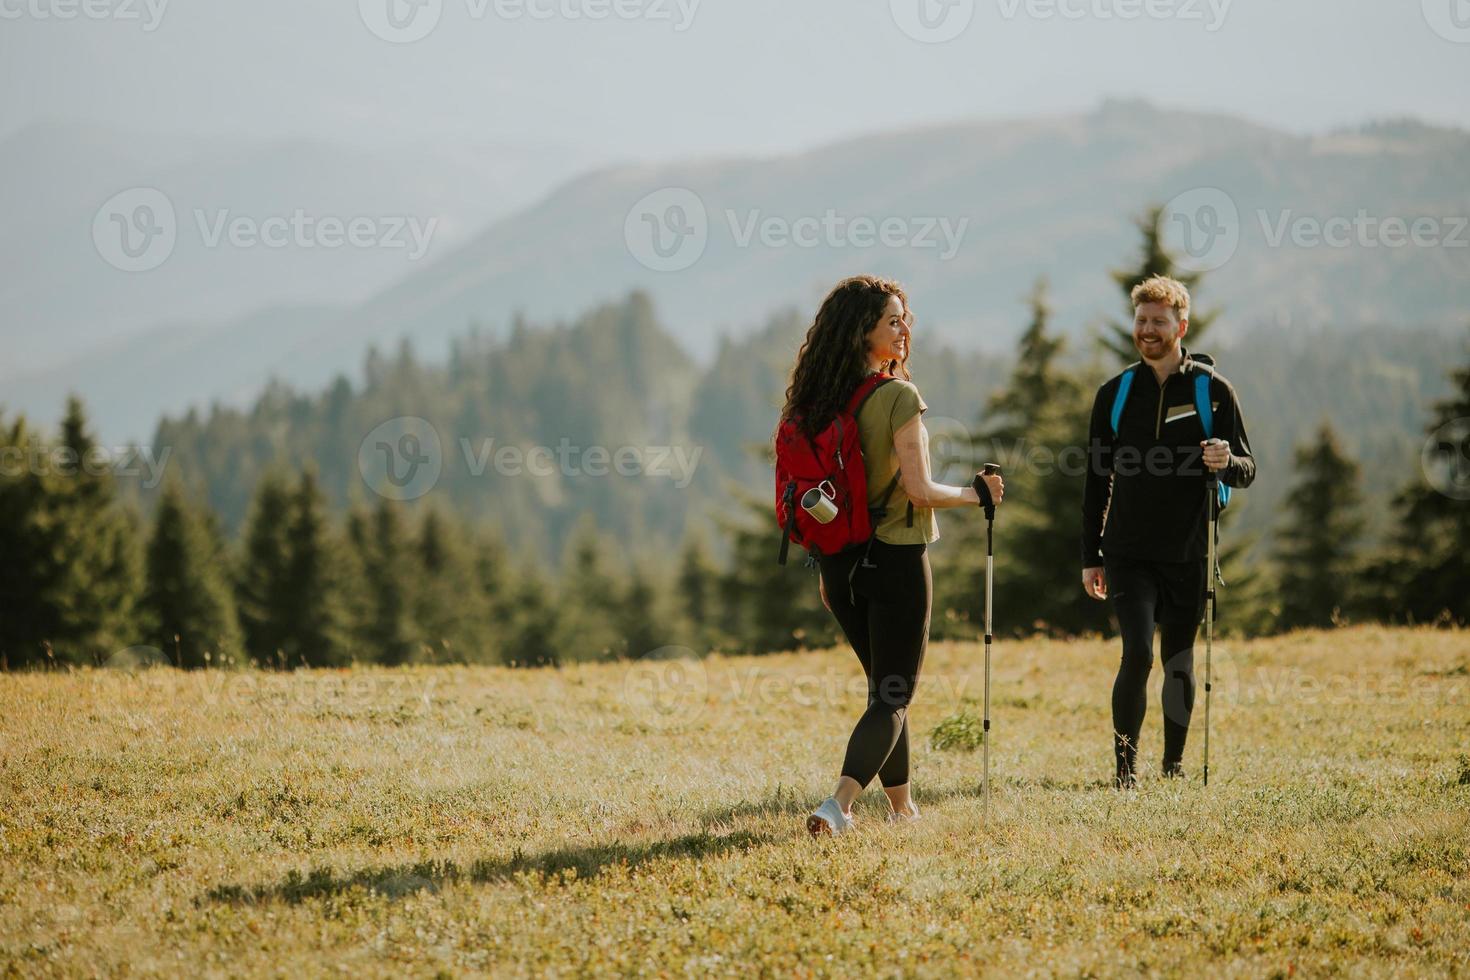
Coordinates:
[828,819]
[1125,779]
[1173,770]
[895,816]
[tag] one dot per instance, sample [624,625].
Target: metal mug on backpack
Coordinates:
[821,502]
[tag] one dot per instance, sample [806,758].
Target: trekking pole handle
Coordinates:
[1212,477]
[982,489]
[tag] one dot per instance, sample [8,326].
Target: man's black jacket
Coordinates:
[1149,481]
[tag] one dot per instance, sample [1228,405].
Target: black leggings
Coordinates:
[1136,609]
[886,619]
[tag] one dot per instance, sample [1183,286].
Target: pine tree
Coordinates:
[641,620]
[385,628]
[1037,382]
[25,618]
[314,621]
[1245,600]
[261,586]
[771,607]
[1427,564]
[1317,543]
[588,605]
[493,578]
[451,608]
[72,564]
[531,635]
[187,601]
[91,562]
[1037,424]
[698,585]
[1154,260]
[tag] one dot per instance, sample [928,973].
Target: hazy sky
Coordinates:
[656,78]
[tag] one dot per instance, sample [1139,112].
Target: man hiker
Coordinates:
[1145,511]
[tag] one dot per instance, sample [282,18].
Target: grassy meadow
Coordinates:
[648,818]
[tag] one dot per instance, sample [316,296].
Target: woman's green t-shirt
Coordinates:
[883,414]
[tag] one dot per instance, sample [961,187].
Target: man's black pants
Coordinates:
[1171,596]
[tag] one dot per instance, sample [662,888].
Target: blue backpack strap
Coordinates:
[1125,382]
[1202,403]
[1206,412]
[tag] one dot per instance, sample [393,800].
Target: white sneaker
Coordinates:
[828,819]
[895,817]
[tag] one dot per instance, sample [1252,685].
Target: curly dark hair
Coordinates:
[834,357]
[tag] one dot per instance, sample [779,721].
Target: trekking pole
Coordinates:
[1212,492]
[987,502]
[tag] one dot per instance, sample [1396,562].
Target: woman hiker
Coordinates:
[864,327]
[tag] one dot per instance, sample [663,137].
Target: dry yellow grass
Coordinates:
[648,818]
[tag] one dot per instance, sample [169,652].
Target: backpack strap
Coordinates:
[865,390]
[1206,410]
[790,528]
[1125,384]
[1202,404]
[882,508]
[869,385]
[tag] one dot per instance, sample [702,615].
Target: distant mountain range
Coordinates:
[61,296]
[971,213]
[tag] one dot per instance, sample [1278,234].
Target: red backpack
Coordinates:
[833,464]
